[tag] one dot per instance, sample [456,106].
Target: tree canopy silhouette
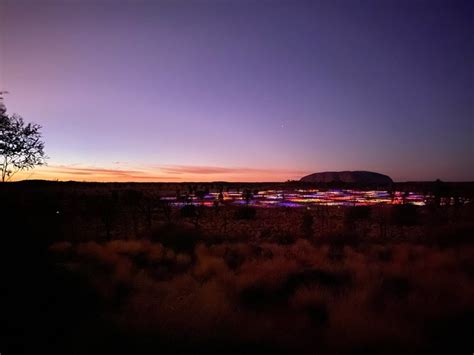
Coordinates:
[21,147]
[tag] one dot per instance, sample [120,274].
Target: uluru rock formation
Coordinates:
[349,177]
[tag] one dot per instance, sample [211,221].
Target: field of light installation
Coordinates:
[311,197]
[230,177]
[183,266]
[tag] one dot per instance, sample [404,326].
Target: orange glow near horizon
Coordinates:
[169,173]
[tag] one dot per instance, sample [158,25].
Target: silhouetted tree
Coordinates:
[21,147]
[247,196]
[392,195]
[166,209]
[405,196]
[200,194]
[215,206]
[440,193]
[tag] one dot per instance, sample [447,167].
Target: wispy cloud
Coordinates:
[170,173]
[63,169]
[211,170]
[86,173]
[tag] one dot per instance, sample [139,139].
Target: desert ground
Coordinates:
[138,268]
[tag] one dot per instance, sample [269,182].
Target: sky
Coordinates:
[243,90]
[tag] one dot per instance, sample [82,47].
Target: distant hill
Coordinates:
[349,177]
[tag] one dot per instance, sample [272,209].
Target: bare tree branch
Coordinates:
[21,147]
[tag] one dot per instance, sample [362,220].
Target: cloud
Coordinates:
[208,170]
[148,173]
[74,172]
[62,169]
[183,169]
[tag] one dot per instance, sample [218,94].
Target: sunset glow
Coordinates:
[228,177]
[241,90]
[170,173]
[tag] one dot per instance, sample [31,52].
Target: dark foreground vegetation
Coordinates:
[116,269]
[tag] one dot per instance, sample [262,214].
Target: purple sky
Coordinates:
[243,90]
